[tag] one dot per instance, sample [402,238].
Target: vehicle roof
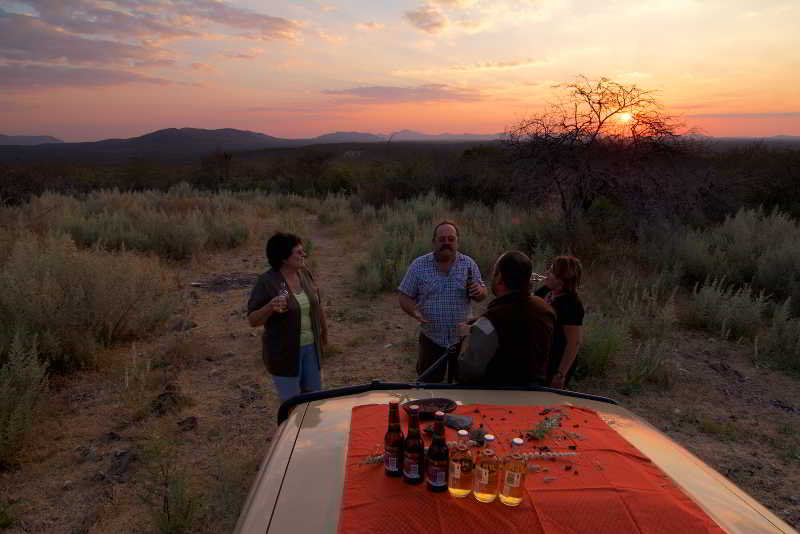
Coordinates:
[299,485]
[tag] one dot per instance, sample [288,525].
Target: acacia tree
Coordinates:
[602,137]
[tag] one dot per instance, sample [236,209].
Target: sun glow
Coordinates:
[625,117]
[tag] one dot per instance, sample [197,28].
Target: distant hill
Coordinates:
[410,135]
[171,144]
[348,137]
[27,140]
[181,144]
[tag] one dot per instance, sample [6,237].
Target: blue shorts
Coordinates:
[308,377]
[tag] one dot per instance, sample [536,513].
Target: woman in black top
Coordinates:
[560,290]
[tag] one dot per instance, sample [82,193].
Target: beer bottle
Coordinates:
[469,281]
[512,483]
[436,462]
[484,485]
[459,481]
[413,449]
[393,443]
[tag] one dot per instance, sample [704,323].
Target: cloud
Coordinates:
[369,26]
[12,107]
[422,93]
[427,18]
[25,38]
[204,67]
[775,114]
[27,77]
[159,18]
[248,54]
[112,18]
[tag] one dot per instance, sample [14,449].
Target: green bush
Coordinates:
[604,338]
[779,345]
[23,381]
[175,225]
[74,299]
[730,312]
[648,365]
[749,248]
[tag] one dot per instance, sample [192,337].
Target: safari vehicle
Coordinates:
[299,487]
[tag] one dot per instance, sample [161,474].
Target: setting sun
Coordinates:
[624,117]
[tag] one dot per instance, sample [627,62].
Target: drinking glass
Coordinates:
[284,294]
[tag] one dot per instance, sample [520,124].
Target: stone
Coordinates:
[190,423]
[120,464]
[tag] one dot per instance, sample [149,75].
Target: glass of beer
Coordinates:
[284,295]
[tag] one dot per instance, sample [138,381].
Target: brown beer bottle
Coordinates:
[413,449]
[393,443]
[436,463]
[469,282]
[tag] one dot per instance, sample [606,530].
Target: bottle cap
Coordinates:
[517,442]
[439,414]
[463,433]
[488,437]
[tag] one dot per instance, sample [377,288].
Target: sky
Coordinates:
[84,70]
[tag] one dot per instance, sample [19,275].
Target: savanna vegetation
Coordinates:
[686,245]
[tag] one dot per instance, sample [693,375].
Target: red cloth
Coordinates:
[610,486]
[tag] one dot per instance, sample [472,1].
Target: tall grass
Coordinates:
[779,345]
[23,381]
[752,248]
[731,312]
[174,225]
[604,338]
[76,299]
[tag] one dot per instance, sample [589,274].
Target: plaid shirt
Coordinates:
[441,297]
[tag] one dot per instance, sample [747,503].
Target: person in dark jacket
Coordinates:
[510,343]
[288,304]
[560,290]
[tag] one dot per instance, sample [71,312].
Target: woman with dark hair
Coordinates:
[287,303]
[560,290]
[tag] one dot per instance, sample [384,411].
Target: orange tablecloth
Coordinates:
[610,486]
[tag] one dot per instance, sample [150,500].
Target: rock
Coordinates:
[120,464]
[87,454]
[98,477]
[190,423]
[181,325]
[167,401]
[67,485]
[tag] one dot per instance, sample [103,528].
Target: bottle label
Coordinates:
[411,466]
[455,469]
[436,474]
[483,475]
[513,480]
[391,459]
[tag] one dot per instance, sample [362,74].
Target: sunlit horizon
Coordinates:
[85,70]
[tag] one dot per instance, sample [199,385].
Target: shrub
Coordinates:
[780,343]
[648,365]
[732,313]
[22,383]
[604,338]
[74,299]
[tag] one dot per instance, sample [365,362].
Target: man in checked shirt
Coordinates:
[435,292]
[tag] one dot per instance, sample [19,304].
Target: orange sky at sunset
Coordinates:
[93,69]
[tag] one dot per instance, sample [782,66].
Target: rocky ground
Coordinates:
[192,408]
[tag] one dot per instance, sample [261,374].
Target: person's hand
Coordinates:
[463,329]
[557,381]
[278,304]
[418,316]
